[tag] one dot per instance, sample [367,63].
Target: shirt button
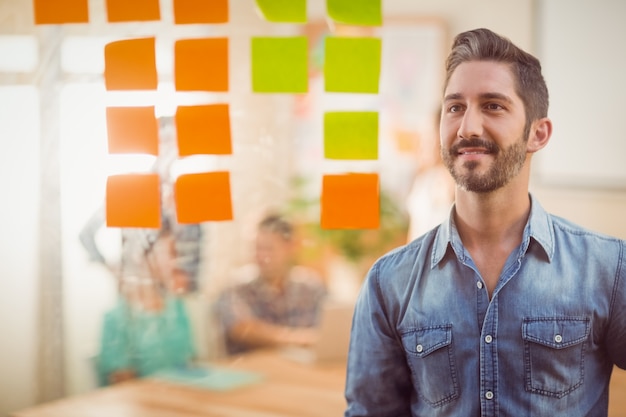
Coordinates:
[479,285]
[558,338]
[488,338]
[419,348]
[489,395]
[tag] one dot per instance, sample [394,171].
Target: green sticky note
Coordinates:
[352,65]
[283,11]
[351,135]
[279,65]
[355,12]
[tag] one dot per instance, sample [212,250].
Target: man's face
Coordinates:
[483,134]
[273,252]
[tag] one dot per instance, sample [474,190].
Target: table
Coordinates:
[289,389]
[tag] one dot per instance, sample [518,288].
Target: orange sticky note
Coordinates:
[350,201]
[200,11]
[203,130]
[133,200]
[133,10]
[130,65]
[201,64]
[61,11]
[132,130]
[203,197]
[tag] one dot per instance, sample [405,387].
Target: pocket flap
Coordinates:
[422,342]
[556,333]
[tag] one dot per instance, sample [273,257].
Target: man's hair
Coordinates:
[485,45]
[276,223]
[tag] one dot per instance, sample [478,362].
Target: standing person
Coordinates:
[279,303]
[503,309]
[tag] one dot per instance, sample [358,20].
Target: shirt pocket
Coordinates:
[430,356]
[554,351]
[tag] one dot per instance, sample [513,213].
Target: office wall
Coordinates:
[19,244]
[584,66]
[581,174]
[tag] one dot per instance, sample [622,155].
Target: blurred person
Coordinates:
[503,309]
[187,238]
[149,329]
[278,303]
[432,192]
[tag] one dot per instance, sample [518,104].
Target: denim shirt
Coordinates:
[427,340]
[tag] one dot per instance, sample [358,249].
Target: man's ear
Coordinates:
[540,133]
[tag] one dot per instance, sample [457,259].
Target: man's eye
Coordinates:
[454,108]
[494,106]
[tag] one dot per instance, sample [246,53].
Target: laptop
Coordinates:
[333,336]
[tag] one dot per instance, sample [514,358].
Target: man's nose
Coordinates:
[471,124]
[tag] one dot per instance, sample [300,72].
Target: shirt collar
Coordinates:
[539,228]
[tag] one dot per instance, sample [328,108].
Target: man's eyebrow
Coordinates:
[497,96]
[453,96]
[492,96]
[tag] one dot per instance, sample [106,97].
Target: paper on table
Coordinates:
[209,377]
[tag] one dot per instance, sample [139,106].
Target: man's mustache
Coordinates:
[474,143]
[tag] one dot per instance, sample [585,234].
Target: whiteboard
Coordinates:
[582,48]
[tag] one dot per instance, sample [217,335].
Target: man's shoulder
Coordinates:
[416,251]
[305,276]
[575,230]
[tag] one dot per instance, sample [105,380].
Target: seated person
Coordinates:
[149,329]
[280,304]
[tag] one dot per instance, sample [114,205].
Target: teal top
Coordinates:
[145,341]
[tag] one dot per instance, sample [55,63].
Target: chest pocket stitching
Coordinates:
[544,331]
[429,338]
[433,340]
[572,331]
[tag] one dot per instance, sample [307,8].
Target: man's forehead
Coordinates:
[481,77]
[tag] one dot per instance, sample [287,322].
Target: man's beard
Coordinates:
[506,165]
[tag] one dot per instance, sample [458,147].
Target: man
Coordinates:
[279,304]
[502,310]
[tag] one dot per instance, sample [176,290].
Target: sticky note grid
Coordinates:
[279,65]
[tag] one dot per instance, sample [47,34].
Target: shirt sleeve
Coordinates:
[181,339]
[114,346]
[616,334]
[88,233]
[376,355]
[232,308]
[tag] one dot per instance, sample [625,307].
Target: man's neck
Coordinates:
[491,218]
[491,226]
[276,279]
